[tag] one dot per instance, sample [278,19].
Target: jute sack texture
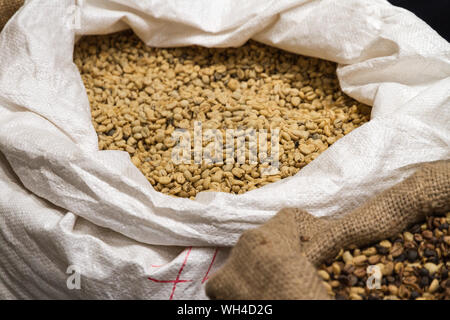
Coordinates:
[7,10]
[278,260]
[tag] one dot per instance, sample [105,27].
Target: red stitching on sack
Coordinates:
[179,273]
[209,268]
[177,280]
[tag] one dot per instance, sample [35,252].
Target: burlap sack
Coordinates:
[7,10]
[276,261]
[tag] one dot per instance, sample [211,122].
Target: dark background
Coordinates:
[435,13]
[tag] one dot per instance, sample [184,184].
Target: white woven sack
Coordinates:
[66,207]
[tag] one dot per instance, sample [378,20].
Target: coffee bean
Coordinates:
[342,278]
[424,281]
[361,283]
[352,280]
[427,234]
[415,228]
[444,226]
[423,272]
[444,273]
[381,249]
[414,295]
[447,283]
[400,258]
[429,253]
[411,254]
[433,259]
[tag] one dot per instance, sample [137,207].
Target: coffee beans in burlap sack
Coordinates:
[7,10]
[278,260]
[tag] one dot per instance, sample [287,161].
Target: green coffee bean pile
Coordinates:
[140,95]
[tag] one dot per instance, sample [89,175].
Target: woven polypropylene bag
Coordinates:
[65,203]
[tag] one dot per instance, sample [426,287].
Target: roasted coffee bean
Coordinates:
[423,272]
[412,255]
[415,228]
[444,273]
[400,258]
[424,281]
[414,295]
[381,250]
[416,268]
[429,253]
[352,280]
[444,226]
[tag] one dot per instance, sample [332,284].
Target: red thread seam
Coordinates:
[210,265]
[177,280]
[179,273]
